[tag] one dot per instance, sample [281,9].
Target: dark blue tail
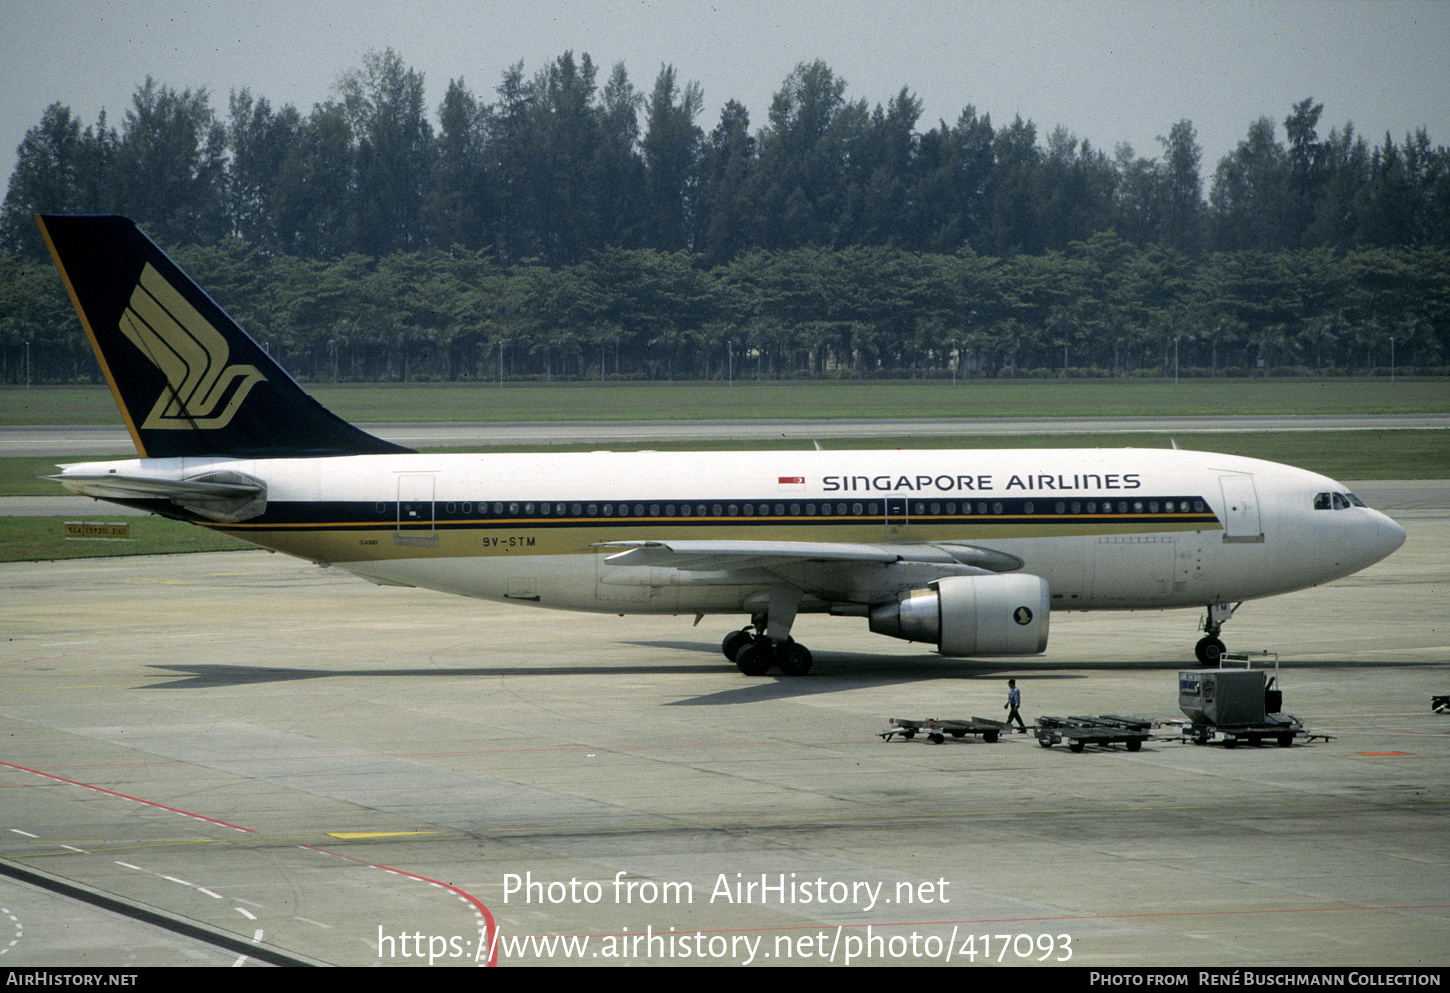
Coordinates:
[188,380]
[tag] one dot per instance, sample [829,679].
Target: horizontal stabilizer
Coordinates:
[224,497]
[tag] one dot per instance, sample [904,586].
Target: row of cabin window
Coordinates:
[919,509]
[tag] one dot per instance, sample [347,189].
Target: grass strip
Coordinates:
[815,399]
[27,539]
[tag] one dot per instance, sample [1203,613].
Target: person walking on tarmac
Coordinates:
[1014,700]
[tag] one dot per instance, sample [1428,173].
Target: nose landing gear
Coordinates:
[1210,649]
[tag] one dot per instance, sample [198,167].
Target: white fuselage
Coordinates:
[1106,528]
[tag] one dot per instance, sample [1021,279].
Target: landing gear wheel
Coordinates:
[794,659]
[1209,650]
[755,658]
[734,641]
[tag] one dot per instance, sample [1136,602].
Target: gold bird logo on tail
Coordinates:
[203,391]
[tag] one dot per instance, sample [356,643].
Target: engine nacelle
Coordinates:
[971,615]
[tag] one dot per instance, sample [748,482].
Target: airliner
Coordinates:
[969,551]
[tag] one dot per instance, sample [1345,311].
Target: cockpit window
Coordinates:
[1336,501]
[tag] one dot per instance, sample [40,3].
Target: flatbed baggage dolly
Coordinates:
[1079,732]
[1281,728]
[936,729]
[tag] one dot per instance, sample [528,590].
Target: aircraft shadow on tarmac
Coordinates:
[834,671]
[203,675]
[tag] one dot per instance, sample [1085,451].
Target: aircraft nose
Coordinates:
[1389,537]
[1369,537]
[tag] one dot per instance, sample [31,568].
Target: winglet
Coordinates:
[188,380]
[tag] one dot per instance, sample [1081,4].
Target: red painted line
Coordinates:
[123,796]
[490,926]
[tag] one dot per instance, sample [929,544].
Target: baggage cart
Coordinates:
[1107,729]
[936,729]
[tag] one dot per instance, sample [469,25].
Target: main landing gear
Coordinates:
[1210,649]
[755,652]
[770,644]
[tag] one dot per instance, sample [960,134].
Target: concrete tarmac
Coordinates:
[381,776]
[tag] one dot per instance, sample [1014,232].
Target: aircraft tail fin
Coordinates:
[188,380]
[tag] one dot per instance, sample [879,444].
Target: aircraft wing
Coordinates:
[710,556]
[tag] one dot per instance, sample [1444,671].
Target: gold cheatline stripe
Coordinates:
[374,543]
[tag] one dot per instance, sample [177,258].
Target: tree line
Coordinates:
[569,229]
[1103,308]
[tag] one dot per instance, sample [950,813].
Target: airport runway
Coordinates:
[311,768]
[107,440]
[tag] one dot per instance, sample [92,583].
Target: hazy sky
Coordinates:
[1108,72]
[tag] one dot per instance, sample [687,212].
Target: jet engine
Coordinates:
[971,615]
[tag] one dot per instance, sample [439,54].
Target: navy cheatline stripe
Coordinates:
[447,514]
